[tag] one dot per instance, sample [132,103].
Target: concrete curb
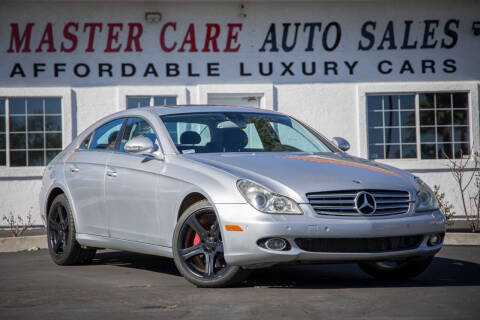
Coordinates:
[23,243]
[40,242]
[460,238]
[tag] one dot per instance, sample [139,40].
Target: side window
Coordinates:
[291,137]
[202,129]
[86,142]
[137,127]
[104,137]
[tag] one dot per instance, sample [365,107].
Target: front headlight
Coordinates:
[265,200]
[425,199]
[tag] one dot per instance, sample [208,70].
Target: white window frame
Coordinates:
[65,94]
[262,91]
[179,92]
[416,87]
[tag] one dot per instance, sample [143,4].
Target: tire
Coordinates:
[62,245]
[400,270]
[197,244]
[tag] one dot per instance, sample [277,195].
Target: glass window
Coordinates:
[35,130]
[105,136]
[137,127]
[242,132]
[86,142]
[3,136]
[443,125]
[150,101]
[391,126]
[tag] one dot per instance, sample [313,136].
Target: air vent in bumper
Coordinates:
[358,245]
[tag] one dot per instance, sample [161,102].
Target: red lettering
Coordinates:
[134,37]
[67,34]
[47,38]
[189,39]
[211,38]
[113,37]
[232,37]
[91,35]
[173,25]
[19,41]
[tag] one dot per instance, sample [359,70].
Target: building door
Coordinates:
[234,100]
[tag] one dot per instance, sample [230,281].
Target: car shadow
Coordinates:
[443,272]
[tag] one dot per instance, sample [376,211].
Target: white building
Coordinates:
[398,79]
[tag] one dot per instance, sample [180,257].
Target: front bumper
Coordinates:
[241,247]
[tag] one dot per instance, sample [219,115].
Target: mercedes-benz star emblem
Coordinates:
[365,203]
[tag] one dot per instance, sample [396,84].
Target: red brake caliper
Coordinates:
[196,240]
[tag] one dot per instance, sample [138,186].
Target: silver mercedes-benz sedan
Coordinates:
[224,190]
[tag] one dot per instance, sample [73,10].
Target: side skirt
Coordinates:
[90,240]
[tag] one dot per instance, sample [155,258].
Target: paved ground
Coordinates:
[122,285]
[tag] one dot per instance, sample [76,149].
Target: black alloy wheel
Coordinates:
[62,245]
[58,231]
[198,249]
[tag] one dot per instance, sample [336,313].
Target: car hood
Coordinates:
[295,174]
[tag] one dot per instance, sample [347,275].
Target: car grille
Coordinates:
[342,203]
[354,245]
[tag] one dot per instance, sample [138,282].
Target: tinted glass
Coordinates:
[233,131]
[105,136]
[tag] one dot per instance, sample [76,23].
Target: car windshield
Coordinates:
[211,132]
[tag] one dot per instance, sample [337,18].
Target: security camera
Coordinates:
[476,28]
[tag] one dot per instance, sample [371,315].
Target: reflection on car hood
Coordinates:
[302,173]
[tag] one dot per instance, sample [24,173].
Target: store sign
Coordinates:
[78,52]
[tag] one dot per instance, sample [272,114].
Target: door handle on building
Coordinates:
[111,173]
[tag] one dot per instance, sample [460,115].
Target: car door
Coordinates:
[131,187]
[85,176]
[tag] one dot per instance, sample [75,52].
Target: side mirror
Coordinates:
[144,146]
[341,143]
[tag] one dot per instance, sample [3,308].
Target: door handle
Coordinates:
[111,173]
[74,169]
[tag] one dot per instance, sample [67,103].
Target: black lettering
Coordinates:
[172,70]
[381,69]
[451,33]
[286,69]
[428,64]
[37,68]
[337,38]
[125,67]
[330,65]
[190,71]
[57,68]
[406,36]
[312,69]
[86,70]
[285,46]
[150,70]
[271,39]
[367,35]
[406,66]
[263,73]
[212,69]
[429,33]
[17,69]
[388,36]
[311,33]
[449,66]
[351,67]
[242,71]
[105,67]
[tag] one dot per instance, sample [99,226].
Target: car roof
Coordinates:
[192,108]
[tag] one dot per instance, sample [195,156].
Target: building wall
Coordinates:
[332,102]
